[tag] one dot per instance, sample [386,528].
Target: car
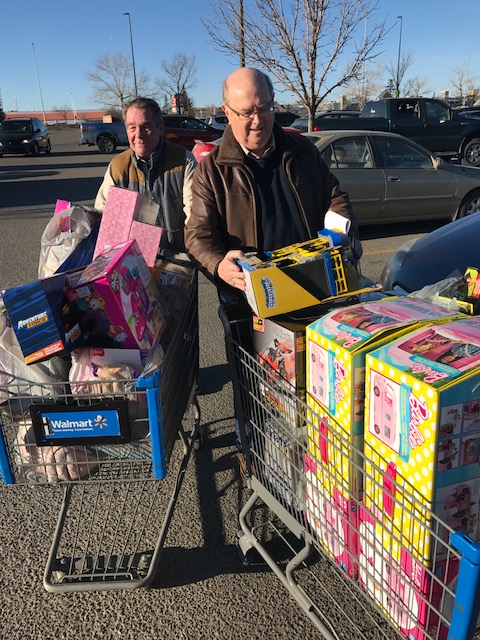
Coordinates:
[301,122]
[217,122]
[202,148]
[285,118]
[24,135]
[186,130]
[443,253]
[390,178]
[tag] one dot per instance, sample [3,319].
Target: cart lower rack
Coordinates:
[113,472]
[348,567]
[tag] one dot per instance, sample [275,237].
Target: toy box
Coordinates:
[127,215]
[45,323]
[337,344]
[333,519]
[120,303]
[423,432]
[407,592]
[279,345]
[299,276]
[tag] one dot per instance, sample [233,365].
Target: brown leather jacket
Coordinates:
[223,213]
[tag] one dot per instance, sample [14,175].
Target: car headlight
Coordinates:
[25,141]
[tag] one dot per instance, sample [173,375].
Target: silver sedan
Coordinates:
[392,179]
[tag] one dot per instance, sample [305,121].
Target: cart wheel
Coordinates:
[198,442]
[243,556]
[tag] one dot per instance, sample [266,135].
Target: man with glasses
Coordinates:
[260,189]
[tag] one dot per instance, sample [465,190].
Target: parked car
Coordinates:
[285,118]
[24,135]
[301,123]
[183,130]
[202,148]
[390,178]
[217,122]
[443,253]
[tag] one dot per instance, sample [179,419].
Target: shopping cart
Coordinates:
[113,475]
[350,571]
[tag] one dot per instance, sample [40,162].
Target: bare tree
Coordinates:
[180,76]
[416,86]
[396,72]
[63,111]
[365,88]
[462,82]
[310,47]
[113,81]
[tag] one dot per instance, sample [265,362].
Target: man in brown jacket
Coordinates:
[260,189]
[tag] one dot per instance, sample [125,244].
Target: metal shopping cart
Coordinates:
[350,571]
[113,473]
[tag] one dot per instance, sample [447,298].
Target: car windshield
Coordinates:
[15,125]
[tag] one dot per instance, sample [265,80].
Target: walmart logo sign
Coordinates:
[81,423]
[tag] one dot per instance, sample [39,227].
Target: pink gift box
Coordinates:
[129,215]
[120,301]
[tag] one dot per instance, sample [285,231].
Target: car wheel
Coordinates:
[49,148]
[35,150]
[106,144]
[471,153]
[470,204]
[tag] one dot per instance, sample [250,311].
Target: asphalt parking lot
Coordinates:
[202,591]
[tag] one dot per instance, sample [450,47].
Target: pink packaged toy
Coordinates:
[121,303]
[129,215]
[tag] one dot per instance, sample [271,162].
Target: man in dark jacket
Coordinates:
[260,189]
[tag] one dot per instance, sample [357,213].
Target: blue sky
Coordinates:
[69,37]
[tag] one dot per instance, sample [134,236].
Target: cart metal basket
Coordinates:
[113,474]
[348,569]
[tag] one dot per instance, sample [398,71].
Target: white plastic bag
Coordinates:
[62,234]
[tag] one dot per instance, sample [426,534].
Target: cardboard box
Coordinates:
[422,431]
[299,276]
[45,323]
[120,303]
[337,344]
[129,215]
[404,589]
[279,345]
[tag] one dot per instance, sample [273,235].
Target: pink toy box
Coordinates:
[422,437]
[333,520]
[337,344]
[120,303]
[129,215]
[407,592]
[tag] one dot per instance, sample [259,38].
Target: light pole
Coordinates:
[74,112]
[16,105]
[133,57]
[38,80]
[241,33]
[398,59]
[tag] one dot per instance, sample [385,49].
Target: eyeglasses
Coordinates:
[262,111]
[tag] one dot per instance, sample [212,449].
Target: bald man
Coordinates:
[260,189]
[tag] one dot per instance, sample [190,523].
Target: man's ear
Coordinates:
[224,109]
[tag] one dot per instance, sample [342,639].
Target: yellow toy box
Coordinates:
[299,276]
[337,344]
[422,432]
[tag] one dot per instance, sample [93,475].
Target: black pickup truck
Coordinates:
[428,121]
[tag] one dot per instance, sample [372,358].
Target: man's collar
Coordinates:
[268,151]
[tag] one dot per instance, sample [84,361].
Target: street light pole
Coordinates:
[38,80]
[133,57]
[398,59]
[241,33]
[74,112]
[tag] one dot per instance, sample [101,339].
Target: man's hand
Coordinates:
[229,271]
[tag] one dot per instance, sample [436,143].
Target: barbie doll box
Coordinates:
[422,431]
[119,300]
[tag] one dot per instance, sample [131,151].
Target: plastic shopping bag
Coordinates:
[63,234]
